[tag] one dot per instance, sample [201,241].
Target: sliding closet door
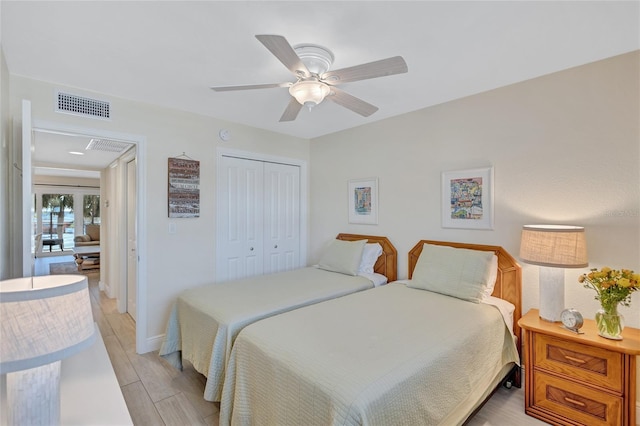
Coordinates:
[281,217]
[241,194]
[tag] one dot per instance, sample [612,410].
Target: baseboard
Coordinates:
[152,344]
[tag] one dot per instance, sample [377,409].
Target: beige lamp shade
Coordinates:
[558,246]
[553,248]
[43,320]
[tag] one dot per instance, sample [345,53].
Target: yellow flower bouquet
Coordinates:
[612,287]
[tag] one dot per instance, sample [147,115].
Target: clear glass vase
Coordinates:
[610,323]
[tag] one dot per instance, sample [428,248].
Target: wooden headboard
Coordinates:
[509,281]
[387,263]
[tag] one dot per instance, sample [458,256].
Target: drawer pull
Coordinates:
[573,401]
[574,359]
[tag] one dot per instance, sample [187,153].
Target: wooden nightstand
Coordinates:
[579,379]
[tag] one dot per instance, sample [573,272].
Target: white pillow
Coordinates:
[491,281]
[343,256]
[455,272]
[376,279]
[370,255]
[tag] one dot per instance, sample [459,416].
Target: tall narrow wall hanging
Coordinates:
[184,187]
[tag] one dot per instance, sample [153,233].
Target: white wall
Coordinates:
[5,171]
[565,149]
[186,258]
[66,181]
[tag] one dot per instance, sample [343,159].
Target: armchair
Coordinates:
[91,238]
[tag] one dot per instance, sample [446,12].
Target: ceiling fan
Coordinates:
[310,64]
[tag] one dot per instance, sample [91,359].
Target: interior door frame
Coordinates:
[142,344]
[27,191]
[304,200]
[131,157]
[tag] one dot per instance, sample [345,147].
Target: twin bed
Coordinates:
[409,352]
[205,320]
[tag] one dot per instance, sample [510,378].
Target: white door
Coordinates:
[28,245]
[258,218]
[132,250]
[240,221]
[281,217]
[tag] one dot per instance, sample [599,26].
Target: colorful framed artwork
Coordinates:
[363,201]
[467,199]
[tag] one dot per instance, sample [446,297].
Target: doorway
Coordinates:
[119,243]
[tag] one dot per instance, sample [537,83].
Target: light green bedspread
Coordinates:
[388,356]
[205,320]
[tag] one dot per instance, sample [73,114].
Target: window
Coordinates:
[57,220]
[61,214]
[91,210]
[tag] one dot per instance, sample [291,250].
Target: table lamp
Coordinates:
[43,320]
[553,248]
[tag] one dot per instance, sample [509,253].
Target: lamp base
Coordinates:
[33,396]
[551,293]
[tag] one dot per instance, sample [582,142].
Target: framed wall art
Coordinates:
[363,201]
[184,187]
[467,199]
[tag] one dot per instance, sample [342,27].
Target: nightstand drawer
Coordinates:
[584,363]
[578,404]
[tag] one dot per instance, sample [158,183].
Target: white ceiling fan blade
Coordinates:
[351,102]
[282,50]
[381,68]
[292,110]
[250,87]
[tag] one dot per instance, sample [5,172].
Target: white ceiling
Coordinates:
[170,52]
[67,154]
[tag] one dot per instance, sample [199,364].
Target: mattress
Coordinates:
[391,355]
[205,321]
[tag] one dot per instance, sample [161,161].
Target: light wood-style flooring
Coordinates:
[158,394]
[155,392]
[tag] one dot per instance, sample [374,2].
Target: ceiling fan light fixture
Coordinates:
[309,93]
[310,64]
[317,59]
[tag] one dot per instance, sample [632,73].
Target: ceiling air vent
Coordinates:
[79,105]
[107,145]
